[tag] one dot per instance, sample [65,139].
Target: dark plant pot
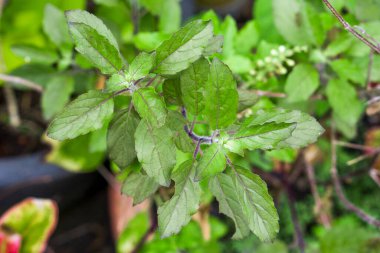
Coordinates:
[83,224]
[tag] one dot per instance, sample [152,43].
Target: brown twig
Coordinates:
[21,81]
[348,27]
[325,220]
[339,189]
[263,93]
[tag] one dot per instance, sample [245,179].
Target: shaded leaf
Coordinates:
[156,151]
[139,187]
[140,66]
[176,122]
[193,82]
[121,137]
[176,213]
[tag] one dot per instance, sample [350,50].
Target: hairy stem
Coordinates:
[348,27]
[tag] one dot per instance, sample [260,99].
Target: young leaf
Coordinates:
[155,151]
[257,204]
[87,113]
[275,129]
[212,162]
[176,213]
[139,187]
[176,122]
[55,27]
[121,137]
[117,82]
[193,81]
[56,95]
[150,106]
[220,96]
[183,48]
[140,66]
[301,83]
[224,189]
[94,40]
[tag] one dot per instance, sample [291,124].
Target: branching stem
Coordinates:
[339,189]
[348,27]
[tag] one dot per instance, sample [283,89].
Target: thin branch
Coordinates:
[339,189]
[356,146]
[21,81]
[375,175]
[348,27]
[324,218]
[263,93]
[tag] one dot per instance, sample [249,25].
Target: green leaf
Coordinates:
[275,129]
[121,137]
[170,17]
[139,187]
[34,220]
[150,106]
[224,189]
[117,82]
[172,91]
[35,54]
[229,31]
[176,213]
[87,113]
[215,45]
[140,66]
[156,151]
[292,22]
[55,27]
[94,40]
[183,48]
[247,38]
[56,95]
[257,204]
[212,162]
[220,96]
[176,122]
[169,12]
[77,155]
[347,109]
[193,82]
[301,83]
[348,70]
